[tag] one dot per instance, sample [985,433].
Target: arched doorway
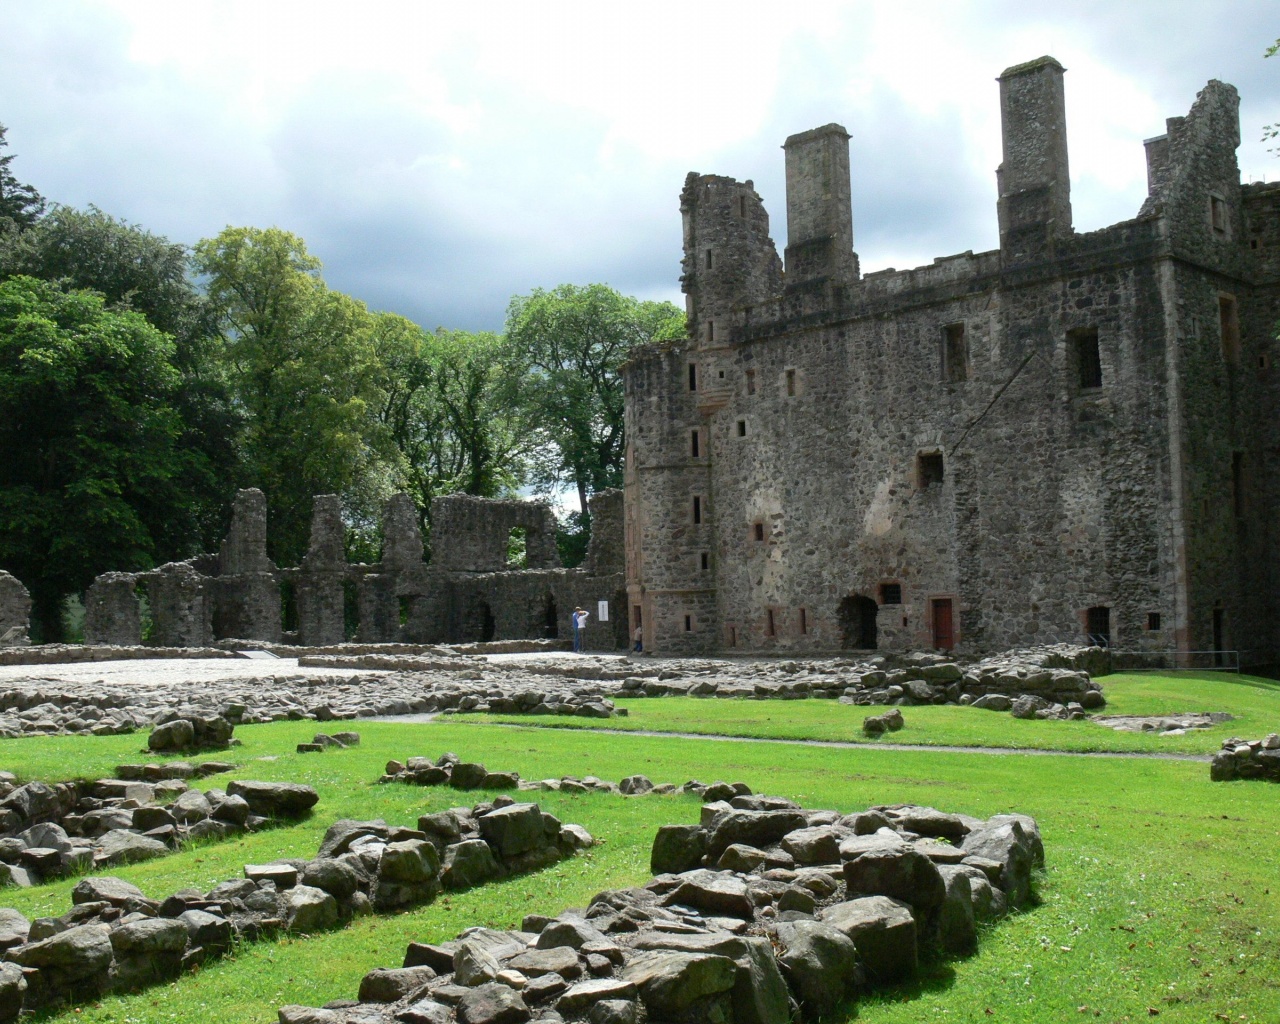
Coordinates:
[857,618]
[488,625]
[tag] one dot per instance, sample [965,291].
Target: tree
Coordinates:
[445,412]
[301,366]
[90,478]
[568,345]
[135,269]
[1272,131]
[20,205]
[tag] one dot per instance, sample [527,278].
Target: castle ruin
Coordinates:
[1074,435]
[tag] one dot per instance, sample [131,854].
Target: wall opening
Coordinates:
[1218,215]
[791,383]
[733,636]
[955,354]
[1086,357]
[891,593]
[1097,625]
[711,330]
[697,509]
[709,259]
[804,622]
[757,532]
[288,606]
[350,610]
[1219,635]
[1229,325]
[742,428]
[406,605]
[857,618]
[695,444]
[693,376]
[742,206]
[550,624]
[751,382]
[1237,483]
[688,623]
[704,560]
[518,548]
[929,469]
[1153,621]
[770,626]
[488,624]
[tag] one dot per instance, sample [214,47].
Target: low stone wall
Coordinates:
[115,938]
[761,909]
[1247,759]
[51,831]
[71,654]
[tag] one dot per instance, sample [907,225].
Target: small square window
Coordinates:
[891,593]
[742,428]
[929,469]
[1153,620]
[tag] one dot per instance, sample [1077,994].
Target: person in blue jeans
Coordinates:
[579,624]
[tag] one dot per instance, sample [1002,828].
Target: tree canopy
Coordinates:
[568,345]
[20,205]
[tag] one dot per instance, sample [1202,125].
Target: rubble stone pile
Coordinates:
[115,938]
[323,741]
[1247,759]
[52,831]
[761,911]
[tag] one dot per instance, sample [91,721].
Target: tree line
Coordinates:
[143,381]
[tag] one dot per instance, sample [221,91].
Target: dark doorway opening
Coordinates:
[350,610]
[857,617]
[944,633]
[550,618]
[288,606]
[488,625]
[1219,635]
[1097,624]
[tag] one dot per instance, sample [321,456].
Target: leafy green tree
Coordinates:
[301,365]
[135,269]
[92,468]
[567,346]
[20,205]
[445,411]
[1272,131]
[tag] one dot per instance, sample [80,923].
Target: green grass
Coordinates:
[1161,891]
[1255,702]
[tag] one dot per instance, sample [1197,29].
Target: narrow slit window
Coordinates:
[769,628]
[757,531]
[1237,483]
[697,509]
[1218,214]
[693,376]
[695,444]
[704,561]
[804,622]
[733,636]
[742,206]
[688,623]
[711,330]
[710,259]
[955,354]
[1229,322]
[742,428]
[791,383]
[751,382]
[1088,359]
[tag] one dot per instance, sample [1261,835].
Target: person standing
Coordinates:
[638,637]
[579,624]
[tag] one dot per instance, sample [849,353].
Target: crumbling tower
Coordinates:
[819,207]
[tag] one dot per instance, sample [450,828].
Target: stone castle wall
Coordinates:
[1057,438]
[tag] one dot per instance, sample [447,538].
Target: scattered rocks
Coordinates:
[196,732]
[115,938]
[738,947]
[1247,759]
[1164,725]
[51,831]
[877,725]
[322,742]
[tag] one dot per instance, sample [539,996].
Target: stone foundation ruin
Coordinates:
[15,611]
[468,592]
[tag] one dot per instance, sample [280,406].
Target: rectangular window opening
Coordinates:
[804,622]
[1237,483]
[791,383]
[1153,621]
[711,330]
[768,623]
[709,259]
[742,428]
[757,531]
[695,445]
[1218,214]
[704,561]
[693,376]
[742,206]
[1087,357]
[1097,626]
[891,593]
[929,469]
[955,354]
[697,509]
[1229,322]
[733,636]
[751,382]
[688,623]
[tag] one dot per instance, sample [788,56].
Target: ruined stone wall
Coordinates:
[1013,438]
[605,552]
[112,611]
[537,604]
[470,534]
[15,611]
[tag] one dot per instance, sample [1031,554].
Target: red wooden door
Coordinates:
[943,632]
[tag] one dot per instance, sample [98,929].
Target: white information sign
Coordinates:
[602,611]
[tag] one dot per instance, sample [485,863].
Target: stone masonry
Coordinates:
[15,611]
[1071,436]
[468,592]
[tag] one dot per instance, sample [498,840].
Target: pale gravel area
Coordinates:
[174,671]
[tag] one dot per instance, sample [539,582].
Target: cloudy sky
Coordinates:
[440,158]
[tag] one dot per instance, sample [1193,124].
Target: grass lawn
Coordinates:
[1162,894]
[1254,701]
